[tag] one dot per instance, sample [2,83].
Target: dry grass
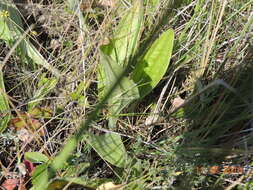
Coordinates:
[213,44]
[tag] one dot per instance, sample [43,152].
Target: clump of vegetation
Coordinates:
[124,94]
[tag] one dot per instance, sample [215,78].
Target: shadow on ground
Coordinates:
[220,125]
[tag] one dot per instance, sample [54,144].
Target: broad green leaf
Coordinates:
[151,68]
[36,157]
[5,32]
[104,50]
[11,29]
[125,92]
[5,114]
[110,148]
[60,160]
[40,177]
[127,34]
[179,114]
[40,112]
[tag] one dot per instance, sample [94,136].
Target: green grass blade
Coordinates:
[150,70]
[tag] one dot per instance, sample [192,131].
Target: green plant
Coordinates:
[118,56]
[121,130]
[118,88]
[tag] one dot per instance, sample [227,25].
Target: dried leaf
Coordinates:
[21,187]
[40,112]
[22,169]
[35,125]
[177,102]
[108,3]
[24,121]
[29,167]
[19,122]
[10,184]
[24,135]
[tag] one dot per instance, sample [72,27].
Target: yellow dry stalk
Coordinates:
[210,41]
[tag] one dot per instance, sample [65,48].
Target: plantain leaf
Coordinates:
[151,68]
[36,157]
[5,114]
[125,92]
[124,43]
[40,177]
[104,50]
[127,34]
[115,56]
[60,160]
[110,148]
